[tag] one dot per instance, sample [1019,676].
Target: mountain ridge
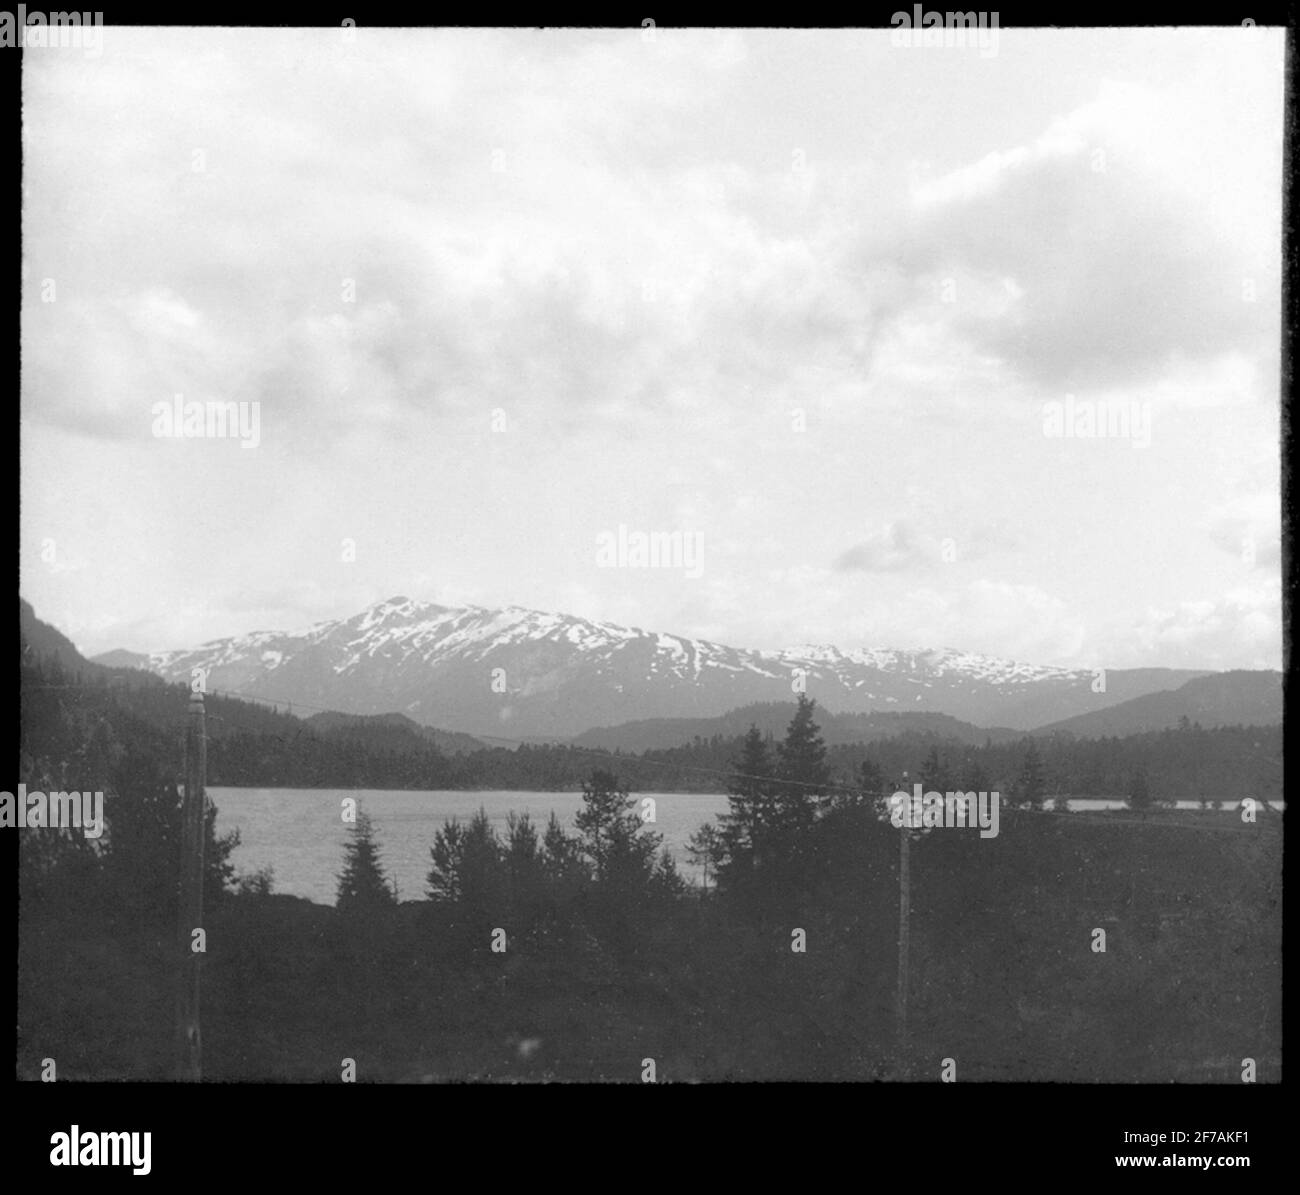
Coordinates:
[517,674]
[657,734]
[1238,697]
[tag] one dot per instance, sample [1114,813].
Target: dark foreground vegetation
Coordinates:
[579,954]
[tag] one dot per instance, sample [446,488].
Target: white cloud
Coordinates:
[648,255]
[1241,629]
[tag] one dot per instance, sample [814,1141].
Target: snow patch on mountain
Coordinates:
[565,674]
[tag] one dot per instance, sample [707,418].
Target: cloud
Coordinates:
[816,605]
[945,539]
[1248,527]
[647,255]
[890,549]
[510,240]
[1241,629]
[522,233]
[1022,622]
[1098,254]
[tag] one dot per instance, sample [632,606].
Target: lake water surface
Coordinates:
[299,832]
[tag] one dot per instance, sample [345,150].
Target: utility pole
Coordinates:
[904,902]
[904,908]
[189,1057]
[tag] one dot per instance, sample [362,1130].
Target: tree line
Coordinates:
[253,747]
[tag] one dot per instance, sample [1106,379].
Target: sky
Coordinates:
[843,311]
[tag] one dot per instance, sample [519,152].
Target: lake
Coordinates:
[299,832]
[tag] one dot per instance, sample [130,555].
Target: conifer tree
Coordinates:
[1139,793]
[802,769]
[705,847]
[870,783]
[562,861]
[803,782]
[976,779]
[752,800]
[362,883]
[613,837]
[935,775]
[467,864]
[1029,787]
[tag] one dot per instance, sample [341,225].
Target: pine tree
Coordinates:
[565,875]
[143,828]
[362,883]
[802,769]
[935,776]
[562,860]
[871,780]
[868,789]
[622,855]
[467,865]
[1029,787]
[666,880]
[977,780]
[1139,793]
[752,800]
[524,866]
[783,849]
[613,837]
[705,847]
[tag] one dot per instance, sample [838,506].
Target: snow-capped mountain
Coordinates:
[520,673]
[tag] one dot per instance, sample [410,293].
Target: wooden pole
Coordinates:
[904,909]
[189,1057]
[904,904]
